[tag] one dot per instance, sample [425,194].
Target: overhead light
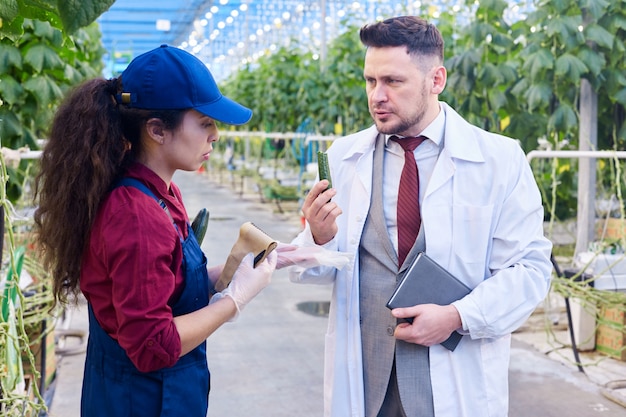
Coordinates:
[163,25]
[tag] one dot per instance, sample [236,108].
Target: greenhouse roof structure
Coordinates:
[226,34]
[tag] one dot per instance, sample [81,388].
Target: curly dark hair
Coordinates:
[92,141]
[419,36]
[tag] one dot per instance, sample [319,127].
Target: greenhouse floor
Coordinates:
[270,361]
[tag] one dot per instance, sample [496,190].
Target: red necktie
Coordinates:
[408,198]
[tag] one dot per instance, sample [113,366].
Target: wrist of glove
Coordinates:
[248,281]
[222,294]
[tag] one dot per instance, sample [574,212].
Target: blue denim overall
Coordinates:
[112,385]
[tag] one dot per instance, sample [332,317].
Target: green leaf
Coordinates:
[594,61]
[44,89]
[489,75]
[503,40]
[538,96]
[86,70]
[458,83]
[479,31]
[521,87]
[569,66]
[596,7]
[9,124]
[42,57]
[560,6]
[615,79]
[43,11]
[599,35]
[12,29]
[53,36]
[475,105]
[69,74]
[508,72]
[617,22]
[563,26]
[10,57]
[538,62]
[620,96]
[497,98]
[10,90]
[9,10]
[563,119]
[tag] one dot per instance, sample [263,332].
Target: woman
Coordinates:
[111,224]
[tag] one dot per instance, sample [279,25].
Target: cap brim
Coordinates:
[226,111]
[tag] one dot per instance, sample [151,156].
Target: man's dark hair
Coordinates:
[419,36]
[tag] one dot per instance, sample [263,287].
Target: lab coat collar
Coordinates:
[460,137]
[362,142]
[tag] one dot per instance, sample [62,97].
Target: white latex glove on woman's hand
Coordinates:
[248,281]
[310,256]
[285,253]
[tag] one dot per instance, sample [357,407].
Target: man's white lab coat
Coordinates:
[483,222]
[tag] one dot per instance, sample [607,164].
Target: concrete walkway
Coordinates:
[269,363]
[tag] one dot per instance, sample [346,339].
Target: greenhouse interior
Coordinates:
[549,74]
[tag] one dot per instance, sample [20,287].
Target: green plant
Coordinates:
[43,52]
[35,72]
[484,66]
[345,97]
[67,16]
[556,179]
[522,79]
[290,88]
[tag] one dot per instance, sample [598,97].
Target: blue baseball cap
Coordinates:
[168,78]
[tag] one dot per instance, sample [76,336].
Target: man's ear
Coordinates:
[439,79]
[156,130]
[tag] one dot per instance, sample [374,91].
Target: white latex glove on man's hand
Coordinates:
[248,281]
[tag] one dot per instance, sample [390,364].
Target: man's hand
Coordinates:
[321,212]
[432,323]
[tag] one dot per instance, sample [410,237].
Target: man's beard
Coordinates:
[399,127]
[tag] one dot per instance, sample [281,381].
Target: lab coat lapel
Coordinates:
[460,143]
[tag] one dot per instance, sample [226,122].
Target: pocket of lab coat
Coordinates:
[471,232]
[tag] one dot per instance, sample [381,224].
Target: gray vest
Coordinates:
[378,266]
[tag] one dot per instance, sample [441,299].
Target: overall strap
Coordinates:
[133,182]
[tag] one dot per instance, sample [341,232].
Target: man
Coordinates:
[481,218]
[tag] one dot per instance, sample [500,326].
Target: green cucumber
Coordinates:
[323,168]
[199,225]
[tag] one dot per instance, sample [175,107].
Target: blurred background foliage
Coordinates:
[521,79]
